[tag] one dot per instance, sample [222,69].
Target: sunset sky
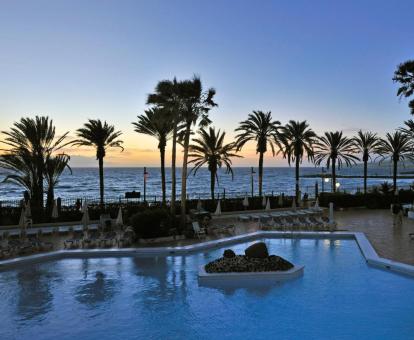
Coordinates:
[330,63]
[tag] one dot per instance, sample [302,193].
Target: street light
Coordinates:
[252,181]
[145,182]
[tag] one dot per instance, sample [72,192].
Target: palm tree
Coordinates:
[167,96]
[55,166]
[101,136]
[296,139]
[408,129]
[21,166]
[30,142]
[210,149]
[261,128]
[366,143]
[196,105]
[156,122]
[335,149]
[396,147]
[405,76]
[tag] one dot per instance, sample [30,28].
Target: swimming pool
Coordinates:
[339,297]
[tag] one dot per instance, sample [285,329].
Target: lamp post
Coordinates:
[252,181]
[145,183]
[323,179]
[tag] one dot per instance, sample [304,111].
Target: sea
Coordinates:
[84,182]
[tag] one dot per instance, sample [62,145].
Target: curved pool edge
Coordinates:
[364,245]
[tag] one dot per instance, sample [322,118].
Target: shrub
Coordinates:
[152,223]
[372,200]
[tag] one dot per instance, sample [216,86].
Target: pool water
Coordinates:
[338,297]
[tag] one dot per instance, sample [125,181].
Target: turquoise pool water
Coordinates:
[339,297]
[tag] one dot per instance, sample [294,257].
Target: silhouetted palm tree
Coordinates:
[101,136]
[395,147]
[408,129]
[262,129]
[366,143]
[335,149]
[167,96]
[31,141]
[55,165]
[21,165]
[405,76]
[157,122]
[196,105]
[296,139]
[210,149]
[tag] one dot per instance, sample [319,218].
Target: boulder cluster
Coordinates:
[256,259]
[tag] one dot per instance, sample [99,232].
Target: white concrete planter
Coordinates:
[238,279]
[411,214]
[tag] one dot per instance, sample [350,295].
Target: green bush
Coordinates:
[152,223]
[372,200]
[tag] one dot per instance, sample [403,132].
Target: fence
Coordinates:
[310,190]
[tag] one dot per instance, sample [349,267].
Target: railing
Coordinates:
[220,194]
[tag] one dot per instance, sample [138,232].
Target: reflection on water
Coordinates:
[95,288]
[165,279]
[34,298]
[254,289]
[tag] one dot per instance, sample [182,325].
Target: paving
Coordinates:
[389,242]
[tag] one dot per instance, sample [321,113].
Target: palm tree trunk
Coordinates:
[184,175]
[162,156]
[394,176]
[297,179]
[260,173]
[334,175]
[49,200]
[101,180]
[173,174]
[212,184]
[365,176]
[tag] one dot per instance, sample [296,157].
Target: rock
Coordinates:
[281,263]
[228,254]
[257,251]
[241,263]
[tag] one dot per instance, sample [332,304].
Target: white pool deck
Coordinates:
[365,246]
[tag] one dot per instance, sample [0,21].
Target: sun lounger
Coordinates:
[229,229]
[108,237]
[288,221]
[277,223]
[63,230]
[14,232]
[244,218]
[5,250]
[47,230]
[126,237]
[38,243]
[93,227]
[91,238]
[304,222]
[314,223]
[75,240]
[255,217]
[20,247]
[198,231]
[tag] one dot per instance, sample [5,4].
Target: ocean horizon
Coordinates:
[84,182]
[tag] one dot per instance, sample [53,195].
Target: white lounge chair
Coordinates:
[198,231]
[244,218]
